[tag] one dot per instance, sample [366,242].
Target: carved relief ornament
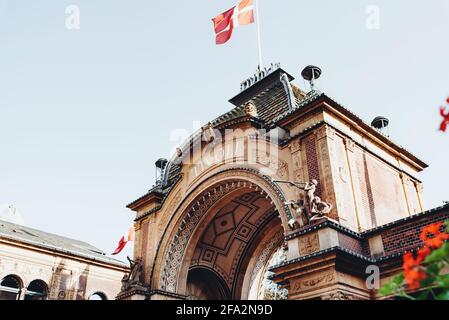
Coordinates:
[320,280]
[309,244]
[325,131]
[349,144]
[295,146]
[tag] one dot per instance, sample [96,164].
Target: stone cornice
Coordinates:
[151,196]
[167,294]
[129,293]
[322,225]
[336,249]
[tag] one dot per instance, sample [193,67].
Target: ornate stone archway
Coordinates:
[202,206]
[362,183]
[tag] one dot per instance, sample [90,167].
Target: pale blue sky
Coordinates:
[84,114]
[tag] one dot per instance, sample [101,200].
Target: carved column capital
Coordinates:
[349,144]
[325,131]
[419,186]
[295,146]
[404,177]
[138,225]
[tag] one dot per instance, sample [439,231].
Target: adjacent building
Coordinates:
[36,265]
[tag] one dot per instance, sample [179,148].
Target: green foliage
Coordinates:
[393,286]
[435,286]
[438,255]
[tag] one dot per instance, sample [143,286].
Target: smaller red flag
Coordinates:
[129,236]
[121,245]
[445,115]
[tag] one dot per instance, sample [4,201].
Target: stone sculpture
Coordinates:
[251,110]
[306,212]
[135,278]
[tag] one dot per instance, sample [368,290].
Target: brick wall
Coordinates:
[397,237]
[350,243]
[406,236]
[312,163]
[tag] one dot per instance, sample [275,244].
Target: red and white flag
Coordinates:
[240,15]
[129,236]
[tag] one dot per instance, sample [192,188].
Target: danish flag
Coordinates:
[240,15]
[129,236]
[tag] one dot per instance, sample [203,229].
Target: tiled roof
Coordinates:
[312,96]
[269,103]
[272,102]
[45,240]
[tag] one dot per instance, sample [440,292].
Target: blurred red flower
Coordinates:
[413,272]
[432,236]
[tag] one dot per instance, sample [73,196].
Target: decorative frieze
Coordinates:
[340,295]
[273,163]
[308,283]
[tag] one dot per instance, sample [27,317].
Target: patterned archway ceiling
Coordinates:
[233,227]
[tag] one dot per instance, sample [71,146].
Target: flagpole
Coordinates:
[256,2]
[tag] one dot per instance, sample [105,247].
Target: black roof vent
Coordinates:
[381,124]
[160,170]
[310,74]
[161,163]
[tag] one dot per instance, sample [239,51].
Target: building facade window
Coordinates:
[36,290]
[98,296]
[10,287]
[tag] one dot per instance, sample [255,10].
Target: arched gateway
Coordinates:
[273,200]
[223,226]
